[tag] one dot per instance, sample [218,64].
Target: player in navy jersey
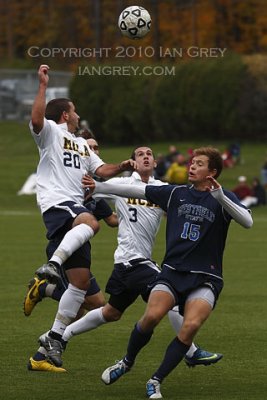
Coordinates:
[64,159]
[198,218]
[134,269]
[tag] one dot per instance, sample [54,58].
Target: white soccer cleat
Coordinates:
[113,373]
[153,389]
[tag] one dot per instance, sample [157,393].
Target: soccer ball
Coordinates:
[134,22]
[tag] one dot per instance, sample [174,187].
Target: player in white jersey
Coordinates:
[64,159]
[134,270]
[38,289]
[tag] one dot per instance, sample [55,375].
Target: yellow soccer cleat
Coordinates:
[32,297]
[43,365]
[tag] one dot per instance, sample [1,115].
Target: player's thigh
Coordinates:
[198,306]
[79,277]
[94,301]
[159,303]
[88,219]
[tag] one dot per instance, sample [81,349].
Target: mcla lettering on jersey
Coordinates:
[141,202]
[196,213]
[71,145]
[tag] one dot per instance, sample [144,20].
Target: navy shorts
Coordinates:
[130,280]
[74,261]
[58,219]
[182,284]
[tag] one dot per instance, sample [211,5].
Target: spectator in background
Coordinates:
[259,191]
[250,196]
[231,155]
[242,189]
[264,174]
[161,167]
[235,152]
[177,173]
[173,152]
[228,161]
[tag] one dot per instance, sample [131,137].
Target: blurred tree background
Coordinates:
[219,97]
[239,25]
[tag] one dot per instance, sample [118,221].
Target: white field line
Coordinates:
[17,213]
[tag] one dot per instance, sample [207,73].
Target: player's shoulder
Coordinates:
[121,180]
[157,182]
[231,195]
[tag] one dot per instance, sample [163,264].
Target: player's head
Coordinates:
[86,133]
[205,161]
[92,143]
[62,110]
[144,158]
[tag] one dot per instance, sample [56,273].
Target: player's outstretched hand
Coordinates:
[89,185]
[128,165]
[213,184]
[43,74]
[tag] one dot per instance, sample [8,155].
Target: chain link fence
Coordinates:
[18,89]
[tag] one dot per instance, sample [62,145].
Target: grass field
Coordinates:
[237,327]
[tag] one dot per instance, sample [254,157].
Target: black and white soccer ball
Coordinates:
[134,22]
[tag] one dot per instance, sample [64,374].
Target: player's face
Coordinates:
[199,170]
[144,160]
[92,143]
[72,118]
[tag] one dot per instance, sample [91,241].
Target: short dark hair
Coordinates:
[137,147]
[86,133]
[56,107]
[214,156]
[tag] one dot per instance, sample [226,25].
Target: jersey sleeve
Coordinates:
[102,210]
[232,196]
[94,162]
[159,195]
[46,136]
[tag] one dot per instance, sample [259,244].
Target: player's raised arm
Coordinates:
[239,214]
[110,170]
[124,190]
[39,105]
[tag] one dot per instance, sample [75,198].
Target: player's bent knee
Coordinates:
[191,326]
[88,219]
[111,314]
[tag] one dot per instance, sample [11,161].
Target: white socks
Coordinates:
[71,242]
[49,290]
[176,321]
[68,308]
[90,321]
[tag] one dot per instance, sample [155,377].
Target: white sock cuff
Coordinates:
[76,290]
[85,231]
[102,316]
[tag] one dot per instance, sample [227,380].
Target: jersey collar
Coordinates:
[136,176]
[63,126]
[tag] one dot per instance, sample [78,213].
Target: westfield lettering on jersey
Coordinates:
[71,145]
[196,213]
[141,202]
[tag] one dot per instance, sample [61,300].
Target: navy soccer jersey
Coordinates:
[196,228]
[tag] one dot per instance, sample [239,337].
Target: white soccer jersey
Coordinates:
[64,159]
[139,221]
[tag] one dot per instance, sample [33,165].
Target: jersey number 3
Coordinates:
[133,217]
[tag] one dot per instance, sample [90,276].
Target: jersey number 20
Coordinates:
[71,160]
